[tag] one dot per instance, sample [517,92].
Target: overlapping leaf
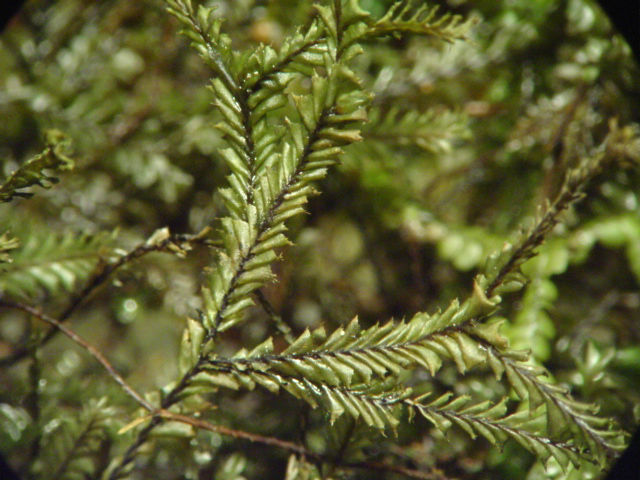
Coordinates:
[46,264]
[410,18]
[40,169]
[375,405]
[435,131]
[565,417]
[309,146]
[492,422]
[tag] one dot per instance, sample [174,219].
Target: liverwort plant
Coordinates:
[257,393]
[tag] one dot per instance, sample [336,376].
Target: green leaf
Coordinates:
[49,264]
[489,420]
[7,243]
[35,171]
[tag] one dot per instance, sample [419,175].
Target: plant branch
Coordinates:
[281,65]
[267,223]
[571,191]
[296,448]
[212,51]
[173,243]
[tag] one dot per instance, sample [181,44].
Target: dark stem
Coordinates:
[299,449]
[277,320]
[93,351]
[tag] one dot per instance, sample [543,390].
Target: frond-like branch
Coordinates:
[491,422]
[434,130]
[374,404]
[565,417]
[299,53]
[204,31]
[404,17]
[45,263]
[351,356]
[621,145]
[411,18]
[34,171]
[309,147]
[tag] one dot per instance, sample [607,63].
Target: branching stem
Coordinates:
[296,448]
[162,413]
[100,276]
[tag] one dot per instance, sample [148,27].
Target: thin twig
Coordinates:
[166,244]
[574,182]
[295,448]
[157,414]
[103,272]
[93,351]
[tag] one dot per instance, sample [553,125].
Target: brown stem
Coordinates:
[93,351]
[295,448]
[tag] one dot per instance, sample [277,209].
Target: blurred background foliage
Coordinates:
[401,226]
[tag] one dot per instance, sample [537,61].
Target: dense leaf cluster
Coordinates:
[458,303]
